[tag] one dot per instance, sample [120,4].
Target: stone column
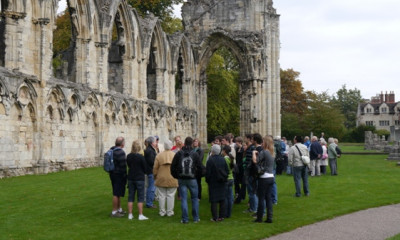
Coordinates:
[83,61]
[161,86]
[202,111]
[13,58]
[102,58]
[44,63]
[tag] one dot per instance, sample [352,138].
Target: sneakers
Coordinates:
[142,217]
[196,221]
[184,222]
[121,211]
[152,206]
[117,215]
[130,217]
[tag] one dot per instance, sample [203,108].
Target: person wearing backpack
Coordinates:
[185,167]
[216,178]
[118,177]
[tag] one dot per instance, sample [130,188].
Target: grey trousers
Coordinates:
[333,166]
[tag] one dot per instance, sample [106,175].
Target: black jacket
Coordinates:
[315,150]
[119,158]
[176,166]
[150,155]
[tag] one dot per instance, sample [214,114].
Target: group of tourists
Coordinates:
[240,165]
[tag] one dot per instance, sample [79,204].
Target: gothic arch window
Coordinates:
[64,43]
[180,73]
[116,55]
[151,79]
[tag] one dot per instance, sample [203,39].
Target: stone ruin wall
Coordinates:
[64,121]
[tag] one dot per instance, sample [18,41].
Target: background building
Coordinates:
[382,112]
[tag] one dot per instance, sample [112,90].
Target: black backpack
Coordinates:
[188,166]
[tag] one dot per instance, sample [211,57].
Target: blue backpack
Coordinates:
[108,164]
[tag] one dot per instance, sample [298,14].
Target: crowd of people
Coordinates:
[233,168]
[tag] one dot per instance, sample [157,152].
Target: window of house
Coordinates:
[369,110]
[384,123]
[369,123]
[397,122]
[384,110]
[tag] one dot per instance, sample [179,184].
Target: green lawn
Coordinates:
[76,205]
[356,148]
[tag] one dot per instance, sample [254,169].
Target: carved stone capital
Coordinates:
[13,15]
[41,21]
[101,44]
[84,40]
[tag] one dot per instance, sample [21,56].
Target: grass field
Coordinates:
[77,204]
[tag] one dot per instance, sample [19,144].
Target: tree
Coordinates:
[171,25]
[222,96]
[347,101]
[62,34]
[323,116]
[160,8]
[293,98]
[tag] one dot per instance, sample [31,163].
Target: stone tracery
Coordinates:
[159,86]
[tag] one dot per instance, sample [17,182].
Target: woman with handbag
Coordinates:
[264,162]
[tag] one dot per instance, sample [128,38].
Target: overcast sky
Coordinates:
[332,43]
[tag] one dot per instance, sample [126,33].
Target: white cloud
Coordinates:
[332,43]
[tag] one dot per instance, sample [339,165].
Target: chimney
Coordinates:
[391,97]
[381,97]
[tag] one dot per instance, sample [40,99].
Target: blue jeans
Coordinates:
[150,191]
[300,173]
[184,185]
[251,189]
[229,198]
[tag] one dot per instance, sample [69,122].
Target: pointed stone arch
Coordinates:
[156,63]
[184,89]
[123,50]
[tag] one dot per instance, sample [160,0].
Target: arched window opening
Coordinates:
[115,56]
[223,104]
[64,42]
[152,73]
[179,80]
[2,32]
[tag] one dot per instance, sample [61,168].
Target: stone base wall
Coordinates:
[65,126]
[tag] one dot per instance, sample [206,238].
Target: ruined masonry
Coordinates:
[66,118]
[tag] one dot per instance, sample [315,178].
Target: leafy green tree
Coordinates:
[63,33]
[171,25]
[323,116]
[160,8]
[222,96]
[358,133]
[291,125]
[347,101]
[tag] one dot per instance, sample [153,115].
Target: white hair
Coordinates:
[167,144]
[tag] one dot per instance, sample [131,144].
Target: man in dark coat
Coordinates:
[315,156]
[118,177]
[185,166]
[150,155]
